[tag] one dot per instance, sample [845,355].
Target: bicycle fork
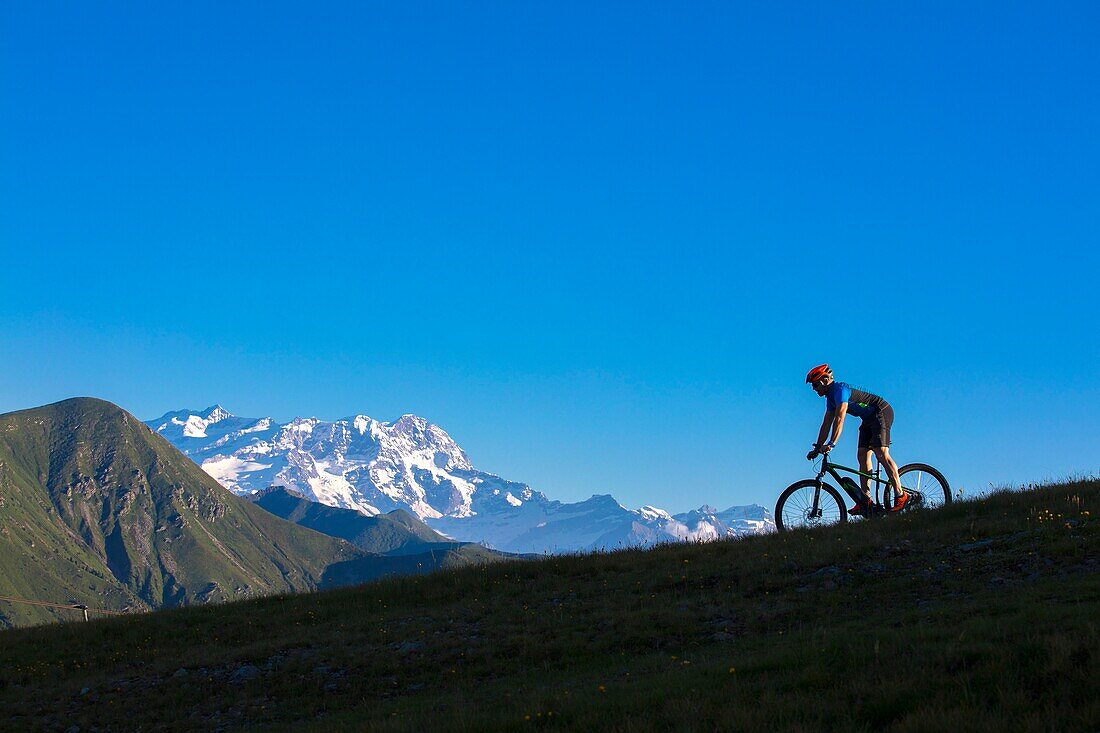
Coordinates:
[815,508]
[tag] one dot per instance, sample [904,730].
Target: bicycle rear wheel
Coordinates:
[795,507]
[928,486]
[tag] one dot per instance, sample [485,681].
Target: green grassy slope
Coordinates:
[95,508]
[434,557]
[980,616]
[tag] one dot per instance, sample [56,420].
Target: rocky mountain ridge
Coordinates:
[375,467]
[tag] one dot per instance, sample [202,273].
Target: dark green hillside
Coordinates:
[982,616]
[409,546]
[95,508]
[433,557]
[385,533]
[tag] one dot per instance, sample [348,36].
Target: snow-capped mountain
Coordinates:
[371,466]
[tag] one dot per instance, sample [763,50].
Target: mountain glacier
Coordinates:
[373,467]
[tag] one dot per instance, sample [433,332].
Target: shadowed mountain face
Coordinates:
[398,532]
[97,509]
[407,546]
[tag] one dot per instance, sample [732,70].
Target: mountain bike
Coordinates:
[814,503]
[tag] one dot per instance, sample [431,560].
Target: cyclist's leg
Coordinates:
[863,455]
[881,445]
[887,460]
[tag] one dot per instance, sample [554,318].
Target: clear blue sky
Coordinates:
[599,246]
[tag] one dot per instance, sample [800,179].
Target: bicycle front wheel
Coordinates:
[928,486]
[809,504]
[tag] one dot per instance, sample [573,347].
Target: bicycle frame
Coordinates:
[832,470]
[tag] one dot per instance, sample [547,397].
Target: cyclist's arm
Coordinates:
[838,426]
[826,422]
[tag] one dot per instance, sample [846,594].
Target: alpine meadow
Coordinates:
[980,616]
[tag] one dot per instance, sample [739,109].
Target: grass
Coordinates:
[979,616]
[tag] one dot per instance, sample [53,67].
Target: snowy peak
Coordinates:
[706,522]
[363,424]
[422,437]
[652,513]
[604,501]
[411,422]
[197,430]
[191,423]
[354,463]
[215,413]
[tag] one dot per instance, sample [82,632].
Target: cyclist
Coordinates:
[876,416]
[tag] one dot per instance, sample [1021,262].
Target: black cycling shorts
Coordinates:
[874,431]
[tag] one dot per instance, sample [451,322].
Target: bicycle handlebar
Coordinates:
[824,461]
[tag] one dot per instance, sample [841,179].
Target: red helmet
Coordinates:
[818,372]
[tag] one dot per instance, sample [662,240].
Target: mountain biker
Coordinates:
[876,416]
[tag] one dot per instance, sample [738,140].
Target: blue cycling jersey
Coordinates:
[860,402]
